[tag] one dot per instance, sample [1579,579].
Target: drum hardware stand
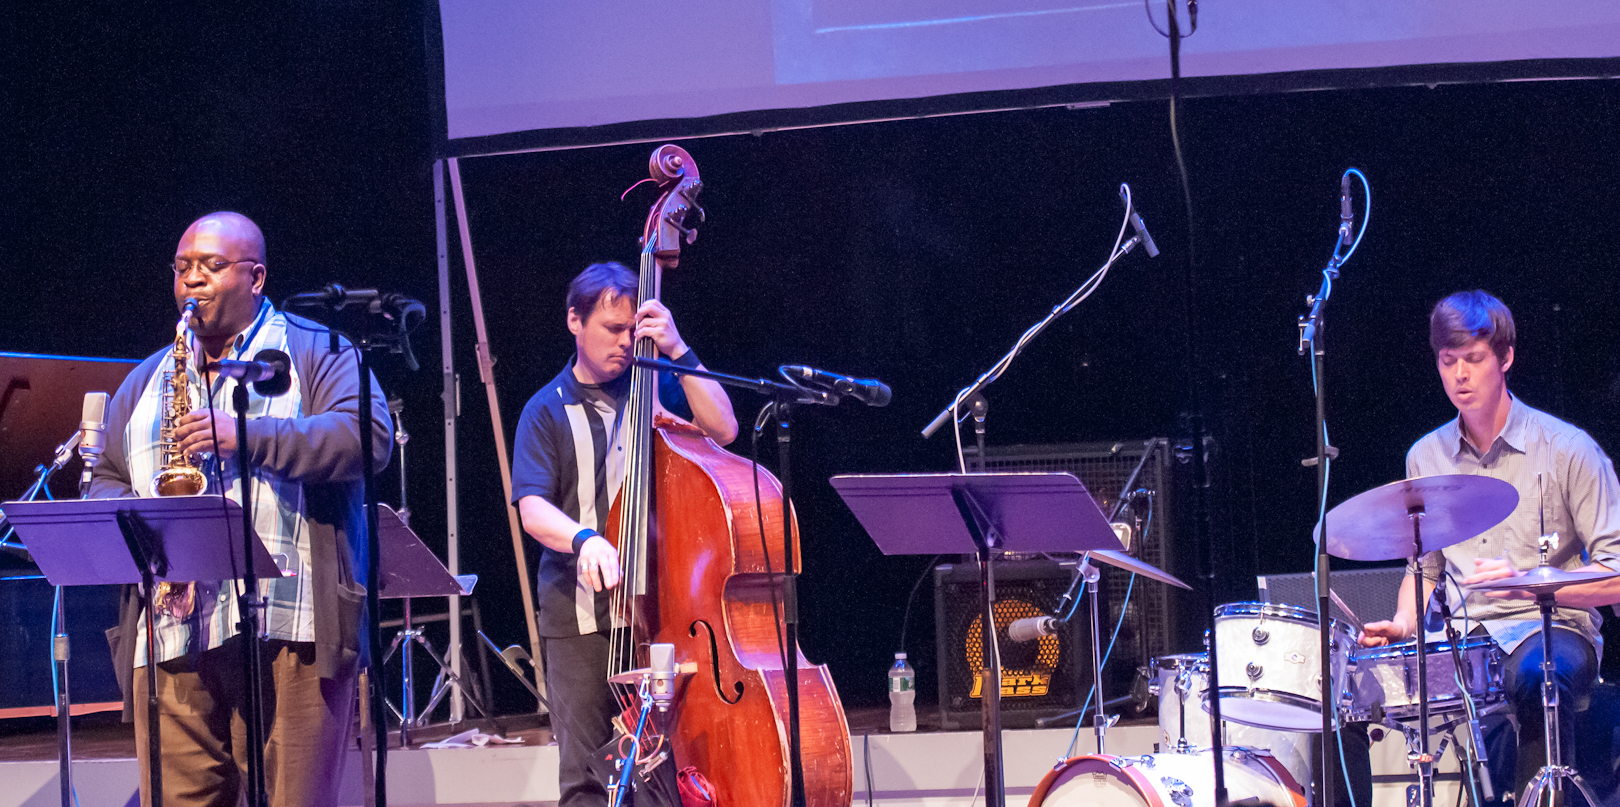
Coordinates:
[1473,754]
[1552,775]
[1101,720]
[1423,758]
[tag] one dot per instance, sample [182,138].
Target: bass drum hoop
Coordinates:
[1137,779]
[1144,787]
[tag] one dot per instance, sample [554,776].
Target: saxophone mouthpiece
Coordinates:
[190,305]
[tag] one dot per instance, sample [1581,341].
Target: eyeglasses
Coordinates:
[209,266]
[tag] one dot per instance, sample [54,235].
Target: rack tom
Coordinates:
[1270,665]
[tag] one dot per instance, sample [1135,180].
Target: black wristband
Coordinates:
[689,359]
[582,536]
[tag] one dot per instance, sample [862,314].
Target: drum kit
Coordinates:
[1270,688]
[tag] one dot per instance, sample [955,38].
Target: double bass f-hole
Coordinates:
[714,653]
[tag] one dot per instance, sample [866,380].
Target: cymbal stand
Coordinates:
[1423,757]
[1101,720]
[1552,775]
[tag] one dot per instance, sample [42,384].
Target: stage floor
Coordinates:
[928,768]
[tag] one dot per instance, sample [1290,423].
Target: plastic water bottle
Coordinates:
[902,695]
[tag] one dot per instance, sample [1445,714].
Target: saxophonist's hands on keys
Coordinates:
[196,437]
[598,564]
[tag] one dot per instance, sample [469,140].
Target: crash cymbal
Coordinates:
[1130,564]
[1377,525]
[1542,579]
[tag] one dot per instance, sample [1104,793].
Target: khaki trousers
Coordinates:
[308,722]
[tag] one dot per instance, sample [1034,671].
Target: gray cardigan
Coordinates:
[321,450]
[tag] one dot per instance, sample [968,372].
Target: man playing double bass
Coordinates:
[568,463]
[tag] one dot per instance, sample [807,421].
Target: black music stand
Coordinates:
[985,515]
[178,539]
[410,569]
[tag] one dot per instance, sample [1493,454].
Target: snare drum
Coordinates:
[1165,780]
[1181,683]
[1271,665]
[1388,676]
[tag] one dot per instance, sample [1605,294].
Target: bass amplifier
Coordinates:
[1371,593]
[1039,679]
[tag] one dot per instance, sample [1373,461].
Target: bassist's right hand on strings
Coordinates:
[598,564]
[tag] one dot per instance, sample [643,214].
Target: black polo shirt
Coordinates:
[561,455]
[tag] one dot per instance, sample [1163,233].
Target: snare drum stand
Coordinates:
[1551,775]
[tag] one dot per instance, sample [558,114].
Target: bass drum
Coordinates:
[1166,780]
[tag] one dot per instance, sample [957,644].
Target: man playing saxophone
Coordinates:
[168,420]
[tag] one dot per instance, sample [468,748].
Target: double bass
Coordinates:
[695,546]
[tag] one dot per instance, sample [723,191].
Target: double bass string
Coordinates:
[634,504]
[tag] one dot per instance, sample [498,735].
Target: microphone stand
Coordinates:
[984,380]
[396,312]
[1310,339]
[1473,752]
[248,605]
[783,398]
[60,649]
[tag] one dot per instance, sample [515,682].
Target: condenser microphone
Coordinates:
[1346,218]
[869,391]
[92,435]
[1031,628]
[662,685]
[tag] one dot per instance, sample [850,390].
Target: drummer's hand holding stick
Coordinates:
[1403,625]
[1496,569]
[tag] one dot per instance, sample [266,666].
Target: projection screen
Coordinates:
[535,66]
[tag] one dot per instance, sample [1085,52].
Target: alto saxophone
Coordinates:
[178,474]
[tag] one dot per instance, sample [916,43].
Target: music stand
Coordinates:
[40,399]
[177,539]
[409,569]
[985,515]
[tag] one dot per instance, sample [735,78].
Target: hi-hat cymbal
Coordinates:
[1542,579]
[1377,524]
[1130,564]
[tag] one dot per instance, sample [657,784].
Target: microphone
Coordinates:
[270,372]
[1136,223]
[662,685]
[333,296]
[1346,218]
[869,391]
[92,435]
[1433,620]
[1031,628]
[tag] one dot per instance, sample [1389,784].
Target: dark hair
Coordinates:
[587,289]
[1469,315]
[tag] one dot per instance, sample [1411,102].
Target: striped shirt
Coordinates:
[278,504]
[569,451]
[1561,475]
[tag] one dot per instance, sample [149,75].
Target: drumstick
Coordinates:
[1346,609]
